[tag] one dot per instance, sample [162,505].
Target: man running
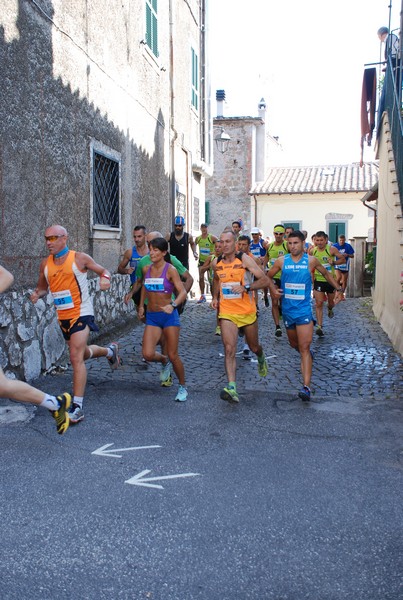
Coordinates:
[64,273]
[23,392]
[328,256]
[274,250]
[342,270]
[206,242]
[296,270]
[237,307]
[179,242]
[132,256]
[258,248]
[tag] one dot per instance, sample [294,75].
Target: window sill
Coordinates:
[102,232]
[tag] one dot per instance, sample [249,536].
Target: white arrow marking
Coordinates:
[137,479]
[102,451]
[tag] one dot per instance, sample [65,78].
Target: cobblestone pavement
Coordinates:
[354,361]
[355,364]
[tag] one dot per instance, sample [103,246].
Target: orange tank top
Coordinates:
[69,288]
[231,302]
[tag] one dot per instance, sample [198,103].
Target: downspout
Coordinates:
[372,194]
[173,134]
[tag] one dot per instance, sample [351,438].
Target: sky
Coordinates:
[306,59]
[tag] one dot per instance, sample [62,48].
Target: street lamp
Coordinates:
[222,140]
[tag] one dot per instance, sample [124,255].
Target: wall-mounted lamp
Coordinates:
[222,140]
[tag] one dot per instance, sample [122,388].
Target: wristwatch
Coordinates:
[174,304]
[247,287]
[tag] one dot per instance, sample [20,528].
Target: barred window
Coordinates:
[106,191]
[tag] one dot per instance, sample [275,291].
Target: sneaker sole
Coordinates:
[304,396]
[228,398]
[61,416]
[75,421]
[118,362]
[167,383]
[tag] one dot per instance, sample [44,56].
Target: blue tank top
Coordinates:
[296,283]
[257,250]
[161,284]
[134,261]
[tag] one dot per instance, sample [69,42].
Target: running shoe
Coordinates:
[114,360]
[305,393]
[262,366]
[246,354]
[229,394]
[330,313]
[168,382]
[165,372]
[278,333]
[77,414]
[218,330]
[61,415]
[202,299]
[319,332]
[266,302]
[182,394]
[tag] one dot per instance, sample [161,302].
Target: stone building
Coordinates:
[104,124]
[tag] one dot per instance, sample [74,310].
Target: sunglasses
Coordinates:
[52,238]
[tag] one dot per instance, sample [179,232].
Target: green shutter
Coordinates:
[152,26]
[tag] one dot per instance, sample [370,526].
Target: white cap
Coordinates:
[255,230]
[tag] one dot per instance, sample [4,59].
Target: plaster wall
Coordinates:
[388,289]
[314,211]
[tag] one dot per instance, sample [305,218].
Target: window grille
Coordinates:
[106,191]
[152,26]
[180,204]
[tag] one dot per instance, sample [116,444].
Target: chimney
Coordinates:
[220,97]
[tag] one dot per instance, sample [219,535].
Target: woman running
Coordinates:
[160,281]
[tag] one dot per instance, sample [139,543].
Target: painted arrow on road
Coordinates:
[139,479]
[102,451]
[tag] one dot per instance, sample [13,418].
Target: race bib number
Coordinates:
[294,291]
[227,291]
[205,251]
[154,284]
[63,300]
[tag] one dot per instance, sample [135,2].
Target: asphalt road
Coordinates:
[269,499]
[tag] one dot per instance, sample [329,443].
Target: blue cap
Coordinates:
[179,220]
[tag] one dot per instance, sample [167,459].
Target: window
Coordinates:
[336,228]
[152,26]
[106,190]
[296,225]
[195,80]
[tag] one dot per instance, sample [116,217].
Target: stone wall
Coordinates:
[30,338]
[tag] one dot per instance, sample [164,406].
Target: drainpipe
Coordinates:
[372,195]
[172,130]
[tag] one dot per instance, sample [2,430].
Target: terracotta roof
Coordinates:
[320,179]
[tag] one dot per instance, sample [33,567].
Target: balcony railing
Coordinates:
[391,101]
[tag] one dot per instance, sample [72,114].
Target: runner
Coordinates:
[258,248]
[342,270]
[160,281]
[296,270]
[23,392]
[132,256]
[64,273]
[328,256]
[206,242]
[187,279]
[179,242]
[274,250]
[237,307]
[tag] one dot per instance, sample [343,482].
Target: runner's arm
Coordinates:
[123,269]
[42,287]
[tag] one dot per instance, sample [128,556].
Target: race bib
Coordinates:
[294,291]
[154,284]
[205,251]
[227,291]
[63,300]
